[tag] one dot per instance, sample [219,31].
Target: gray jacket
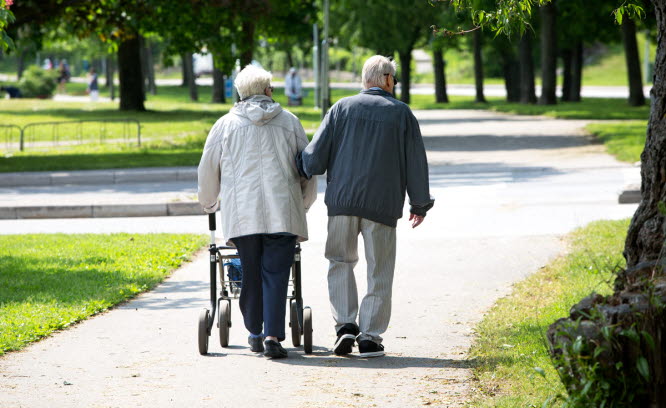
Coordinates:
[371,148]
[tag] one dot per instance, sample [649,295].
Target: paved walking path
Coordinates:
[507,189]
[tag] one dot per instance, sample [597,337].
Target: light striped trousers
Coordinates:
[342,252]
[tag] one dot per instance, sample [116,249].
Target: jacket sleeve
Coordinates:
[308,185]
[209,170]
[418,183]
[314,159]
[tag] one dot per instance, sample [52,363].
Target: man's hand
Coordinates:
[416,219]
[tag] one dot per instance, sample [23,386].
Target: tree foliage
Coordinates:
[6,17]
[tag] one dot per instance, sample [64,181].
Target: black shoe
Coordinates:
[368,348]
[256,343]
[274,349]
[346,336]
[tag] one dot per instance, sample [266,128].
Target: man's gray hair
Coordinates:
[252,81]
[376,69]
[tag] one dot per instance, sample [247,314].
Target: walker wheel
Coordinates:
[293,323]
[224,322]
[307,330]
[203,332]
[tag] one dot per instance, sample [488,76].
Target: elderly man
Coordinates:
[249,156]
[370,145]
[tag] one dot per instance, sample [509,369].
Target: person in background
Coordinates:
[249,157]
[293,88]
[63,76]
[93,86]
[371,149]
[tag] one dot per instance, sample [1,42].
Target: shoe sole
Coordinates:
[372,354]
[344,344]
[276,355]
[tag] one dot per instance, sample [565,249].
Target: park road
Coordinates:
[507,189]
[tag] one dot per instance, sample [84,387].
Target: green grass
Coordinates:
[625,141]
[49,281]
[511,337]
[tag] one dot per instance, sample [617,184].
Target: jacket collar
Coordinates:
[379,92]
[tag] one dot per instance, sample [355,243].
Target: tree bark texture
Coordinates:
[218,85]
[405,75]
[645,238]
[548,55]
[149,67]
[478,66]
[189,74]
[130,75]
[441,96]
[527,91]
[636,97]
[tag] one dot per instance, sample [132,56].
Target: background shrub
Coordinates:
[38,83]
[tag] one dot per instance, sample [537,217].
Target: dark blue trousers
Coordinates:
[266,260]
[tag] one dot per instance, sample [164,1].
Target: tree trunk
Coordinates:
[218,85]
[20,65]
[566,77]
[405,75]
[247,46]
[576,71]
[185,77]
[511,72]
[110,68]
[645,238]
[441,95]
[527,92]
[636,97]
[548,55]
[130,75]
[189,73]
[144,65]
[149,69]
[478,66]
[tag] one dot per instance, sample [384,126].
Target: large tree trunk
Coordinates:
[548,55]
[478,66]
[218,85]
[130,75]
[405,75]
[247,45]
[441,96]
[189,74]
[636,97]
[576,71]
[527,91]
[645,238]
[566,75]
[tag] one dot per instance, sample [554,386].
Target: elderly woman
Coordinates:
[249,158]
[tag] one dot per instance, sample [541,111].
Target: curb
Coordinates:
[101,211]
[101,177]
[630,195]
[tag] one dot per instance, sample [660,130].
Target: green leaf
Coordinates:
[648,339]
[662,207]
[540,371]
[643,368]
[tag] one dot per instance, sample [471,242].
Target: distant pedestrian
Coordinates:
[371,149]
[93,87]
[293,88]
[63,76]
[249,158]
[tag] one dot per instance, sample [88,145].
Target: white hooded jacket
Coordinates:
[249,163]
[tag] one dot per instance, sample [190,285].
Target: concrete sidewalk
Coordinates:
[143,192]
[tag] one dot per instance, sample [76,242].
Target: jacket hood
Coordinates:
[260,109]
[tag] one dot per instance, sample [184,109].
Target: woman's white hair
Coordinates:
[375,70]
[252,81]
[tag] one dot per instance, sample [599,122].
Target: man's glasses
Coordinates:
[395,80]
[272,88]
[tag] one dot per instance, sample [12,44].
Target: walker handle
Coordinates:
[211,221]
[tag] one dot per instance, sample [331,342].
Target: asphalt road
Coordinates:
[507,189]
